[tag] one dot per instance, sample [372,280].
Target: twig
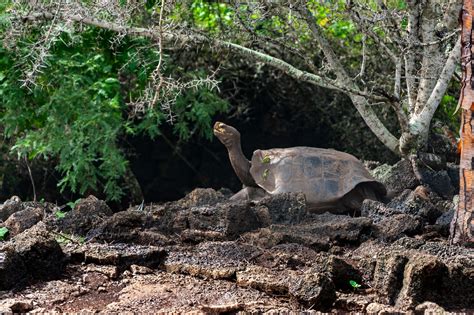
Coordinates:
[31,178]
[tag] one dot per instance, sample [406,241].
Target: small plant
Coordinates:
[3,233]
[59,214]
[354,284]
[72,204]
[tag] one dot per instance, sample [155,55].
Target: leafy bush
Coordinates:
[77,111]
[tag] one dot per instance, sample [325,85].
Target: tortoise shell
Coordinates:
[323,175]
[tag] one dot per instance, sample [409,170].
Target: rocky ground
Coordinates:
[204,253]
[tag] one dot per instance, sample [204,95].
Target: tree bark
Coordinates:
[462,226]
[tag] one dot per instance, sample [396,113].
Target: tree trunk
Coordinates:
[462,226]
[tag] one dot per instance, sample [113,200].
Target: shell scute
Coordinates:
[323,175]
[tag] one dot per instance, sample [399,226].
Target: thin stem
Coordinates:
[31,178]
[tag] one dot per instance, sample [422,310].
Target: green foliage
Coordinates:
[60,215]
[76,113]
[210,15]
[72,204]
[3,233]
[354,284]
[446,113]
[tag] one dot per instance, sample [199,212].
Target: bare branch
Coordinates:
[364,60]
[398,78]
[424,118]
[196,38]
[364,26]
[409,57]
[432,57]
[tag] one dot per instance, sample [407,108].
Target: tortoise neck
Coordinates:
[240,164]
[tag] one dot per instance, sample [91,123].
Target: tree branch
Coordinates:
[409,57]
[367,113]
[432,56]
[256,55]
[398,78]
[423,119]
[374,123]
[343,83]
[367,30]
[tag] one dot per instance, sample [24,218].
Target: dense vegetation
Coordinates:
[70,91]
[76,112]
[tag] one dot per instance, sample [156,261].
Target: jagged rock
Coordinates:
[319,233]
[9,207]
[458,287]
[33,254]
[313,289]
[350,302]
[429,308]
[411,271]
[23,219]
[218,221]
[453,173]
[388,276]
[130,226]
[121,255]
[417,202]
[342,271]
[216,260]
[14,204]
[397,226]
[230,219]
[87,214]
[433,161]
[12,268]
[264,279]
[201,197]
[381,309]
[444,221]
[287,208]
[408,243]
[289,257]
[422,280]
[292,256]
[14,306]
[40,252]
[376,210]
[439,181]
[396,178]
[340,229]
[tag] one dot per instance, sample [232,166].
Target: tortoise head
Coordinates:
[229,136]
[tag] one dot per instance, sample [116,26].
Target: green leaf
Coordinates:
[111,81]
[354,284]
[3,233]
[60,215]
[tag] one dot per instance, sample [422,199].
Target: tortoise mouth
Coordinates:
[219,128]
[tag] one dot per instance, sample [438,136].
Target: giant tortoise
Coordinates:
[330,179]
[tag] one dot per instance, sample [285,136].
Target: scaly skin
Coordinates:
[230,137]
